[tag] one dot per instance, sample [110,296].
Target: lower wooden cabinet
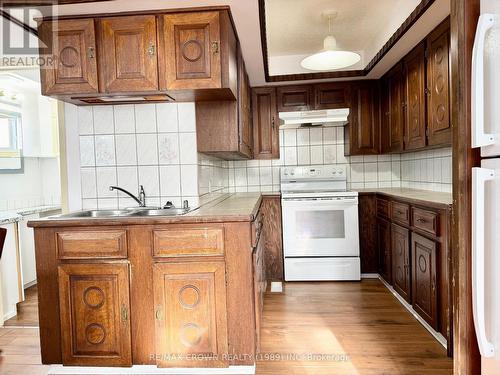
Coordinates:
[273,237]
[424,294]
[385,253]
[190,313]
[259,287]
[94,311]
[401,261]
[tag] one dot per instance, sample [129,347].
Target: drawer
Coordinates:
[400,213]
[383,208]
[184,242]
[427,221]
[108,244]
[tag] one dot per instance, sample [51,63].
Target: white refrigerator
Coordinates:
[486,186]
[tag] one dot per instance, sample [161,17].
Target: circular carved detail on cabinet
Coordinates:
[190,334]
[69,57]
[93,297]
[439,85]
[95,334]
[399,275]
[422,264]
[439,55]
[189,296]
[440,113]
[192,50]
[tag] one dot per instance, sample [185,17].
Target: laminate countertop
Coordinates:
[227,208]
[423,196]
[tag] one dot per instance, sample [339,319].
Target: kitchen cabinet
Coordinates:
[190,313]
[10,278]
[71,44]
[224,128]
[332,95]
[385,251]
[121,70]
[363,127]
[438,86]
[265,123]
[95,313]
[27,250]
[392,101]
[415,85]
[424,274]
[401,261]
[259,287]
[295,98]
[368,243]
[273,238]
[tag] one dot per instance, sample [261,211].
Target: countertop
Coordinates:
[424,196]
[228,208]
[7,217]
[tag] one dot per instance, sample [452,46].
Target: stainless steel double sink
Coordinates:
[132,212]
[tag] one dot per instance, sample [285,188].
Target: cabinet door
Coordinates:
[265,123]
[245,131]
[122,70]
[401,261]
[259,288]
[190,309]
[72,47]
[394,127]
[415,127]
[94,305]
[331,95]
[438,86]
[384,246]
[273,237]
[364,119]
[295,98]
[424,294]
[192,50]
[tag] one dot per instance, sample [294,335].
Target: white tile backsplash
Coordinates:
[124,116]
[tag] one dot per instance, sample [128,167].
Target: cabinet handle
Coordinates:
[427,91]
[215,47]
[272,122]
[91,52]
[124,313]
[151,49]
[420,220]
[159,312]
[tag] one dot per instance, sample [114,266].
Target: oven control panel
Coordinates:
[323,172]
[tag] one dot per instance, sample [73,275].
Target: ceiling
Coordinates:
[364,14]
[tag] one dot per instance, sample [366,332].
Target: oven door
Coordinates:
[321,227]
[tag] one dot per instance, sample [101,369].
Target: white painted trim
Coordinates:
[9,315]
[276,287]
[148,370]
[29,285]
[438,336]
[370,276]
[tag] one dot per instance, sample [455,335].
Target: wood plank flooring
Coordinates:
[361,326]
[27,311]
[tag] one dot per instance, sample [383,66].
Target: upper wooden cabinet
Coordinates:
[295,98]
[72,46]
[331,95]
[364,119]
[415,85]
[392,101]
[122,70]
[438,86]
[265,123]
[95,314]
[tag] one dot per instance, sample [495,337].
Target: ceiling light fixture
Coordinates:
[330,58]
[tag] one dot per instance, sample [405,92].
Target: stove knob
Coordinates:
[334,172]
[341,172]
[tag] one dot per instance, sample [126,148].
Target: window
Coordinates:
[8,133]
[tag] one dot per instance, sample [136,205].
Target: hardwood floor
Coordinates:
[27,311]
[362,324]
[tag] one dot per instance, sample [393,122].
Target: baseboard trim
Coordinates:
[438,336]
[30,284]
[148,370]
[370,276]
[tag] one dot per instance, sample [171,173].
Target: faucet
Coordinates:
[142,195]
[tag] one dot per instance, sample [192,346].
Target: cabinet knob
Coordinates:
[215,47]
[151,49]
[159,312]
[91,52]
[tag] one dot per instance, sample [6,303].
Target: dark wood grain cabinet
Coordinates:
[367,210]
[385,251]
[273,238]
[71,44]
[392,110]
[332,95]
[401,261]
[265,123]
[295,98]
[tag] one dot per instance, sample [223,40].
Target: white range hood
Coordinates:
[328,117]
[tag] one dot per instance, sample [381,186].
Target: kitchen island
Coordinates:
[179,291]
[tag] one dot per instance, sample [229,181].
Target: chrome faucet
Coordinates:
[141,199]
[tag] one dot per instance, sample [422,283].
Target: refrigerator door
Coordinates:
[489,216]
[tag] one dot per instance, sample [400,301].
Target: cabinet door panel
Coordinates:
[94,304]
[331,95]
[415,98]
[424,294]
[396,124]
[192,50]
[438,86]
[384,245]
[265,123]
[364,119]
[190,305]
[72,44]
[401,261]
[295,98]
[122,70]
[244,108]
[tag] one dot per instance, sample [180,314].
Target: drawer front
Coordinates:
[427,221]
[188,242]
[108,244]
[383,208]
[401,213]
